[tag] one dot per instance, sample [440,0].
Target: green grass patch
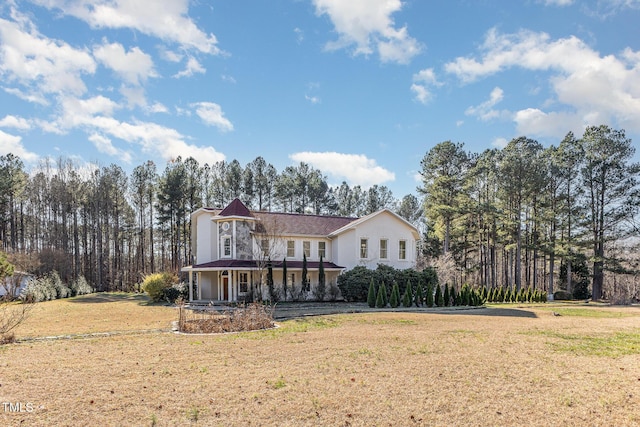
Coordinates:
[595,312]
[608,345]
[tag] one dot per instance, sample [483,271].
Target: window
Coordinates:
[306,247]
[244,282]
[293,279]
[364,248]
[226,245]
[291,248]
[264,246]
[383,248]
[322,249]
[402,249]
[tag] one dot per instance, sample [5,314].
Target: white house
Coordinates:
[233,246]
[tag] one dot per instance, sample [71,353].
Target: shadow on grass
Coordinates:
[305,309]
[494,312]
[103,297]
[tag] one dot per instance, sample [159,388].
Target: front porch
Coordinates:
[233,281]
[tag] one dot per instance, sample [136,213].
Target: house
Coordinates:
[233,248]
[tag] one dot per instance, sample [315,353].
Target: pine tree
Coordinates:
[371,296]
[454,296]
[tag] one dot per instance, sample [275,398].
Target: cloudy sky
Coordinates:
[360,89]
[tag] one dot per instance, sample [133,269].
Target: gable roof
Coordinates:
[301,224]
[365,218]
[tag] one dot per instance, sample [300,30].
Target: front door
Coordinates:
[225,288]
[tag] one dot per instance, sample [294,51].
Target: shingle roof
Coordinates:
[236,208]
[292,224]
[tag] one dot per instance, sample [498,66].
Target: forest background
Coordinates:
[523,216]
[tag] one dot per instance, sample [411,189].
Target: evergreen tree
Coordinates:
[305,278]
[284,278]
[407,299]
[380,298]
[371,296]
[439,297]
[429,298]
[394,301]
[446,296]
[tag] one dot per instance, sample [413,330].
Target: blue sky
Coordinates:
[360,89]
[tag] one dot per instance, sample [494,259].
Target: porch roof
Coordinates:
[239,264]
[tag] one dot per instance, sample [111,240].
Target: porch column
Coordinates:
[230,287]
[190,285]
[199,285]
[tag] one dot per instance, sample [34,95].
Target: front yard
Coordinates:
[504,365]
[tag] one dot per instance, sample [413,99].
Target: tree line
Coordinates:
[508,217]
[113,228]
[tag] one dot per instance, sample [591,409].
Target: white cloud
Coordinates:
[165,19]
[532,121]
[43,66]
[368,25]
[15,122]
[312,99]
[356,169]
[13,144]
[560,3]
[587,85]
[299,35]
[192,67]
[500,142]
[134,66]
[104,145]
[211,113]
[485,110]
[423,80]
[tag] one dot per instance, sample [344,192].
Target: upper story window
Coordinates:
[306,247]
[402,249]
[383,248]
[226,246]
[322,249]
[291,249]
[264,247]
[364,248]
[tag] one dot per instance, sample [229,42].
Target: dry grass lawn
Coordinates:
[500,366]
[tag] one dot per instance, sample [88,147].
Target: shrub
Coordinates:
[62,290]
[581,290]
[380,298]
[155,284]
[81,287]
[446,296]
[562,296]
[354,284]
[319,291]
[429,299]
[407,299]
[371,295]
[334,291]
[394,301]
